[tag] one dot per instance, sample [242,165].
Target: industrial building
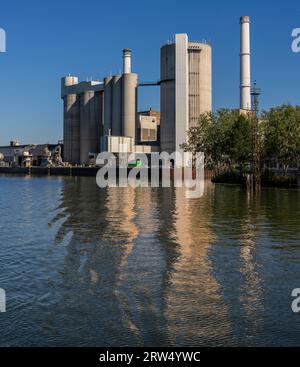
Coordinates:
[101,115]
[83,110]
[95,111]
[28,155]
[148,127]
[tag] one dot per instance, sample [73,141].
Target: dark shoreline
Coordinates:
[51,171]
[92,172]
[68,171]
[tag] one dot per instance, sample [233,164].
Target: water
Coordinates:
[83,266]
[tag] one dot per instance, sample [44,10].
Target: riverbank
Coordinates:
[70,171]
[51,171]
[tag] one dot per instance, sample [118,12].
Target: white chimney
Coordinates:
[245,82]
[126,61]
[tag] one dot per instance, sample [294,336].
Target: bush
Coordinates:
[270,179]
[231,177]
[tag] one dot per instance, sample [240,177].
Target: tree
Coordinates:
[240,143]
[282,135]
[225,139]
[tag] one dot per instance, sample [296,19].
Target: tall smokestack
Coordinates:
[245,83]
[126,61]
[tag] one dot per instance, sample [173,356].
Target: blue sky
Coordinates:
[49,39]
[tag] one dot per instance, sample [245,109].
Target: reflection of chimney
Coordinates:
[126,61]
[245,82]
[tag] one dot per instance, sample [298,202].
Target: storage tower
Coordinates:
[186,89]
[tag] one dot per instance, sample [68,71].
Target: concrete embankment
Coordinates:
[73,171]
[51,171]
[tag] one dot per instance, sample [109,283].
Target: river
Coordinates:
[83,266]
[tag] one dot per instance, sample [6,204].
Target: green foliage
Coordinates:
[282,134]
[230,140]
[224,137]
[270,179]
[232,177]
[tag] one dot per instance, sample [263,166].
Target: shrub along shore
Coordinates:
[242,148]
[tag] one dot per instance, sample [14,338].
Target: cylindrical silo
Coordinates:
[67,81]
[107,105]
[71,120]
[200,80]
[87,125]
[167,98]
[129,95]
[245,82]
[99,97]
[205,78]
[96,108]
[117,105]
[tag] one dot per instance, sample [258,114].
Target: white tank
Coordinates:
[1,157]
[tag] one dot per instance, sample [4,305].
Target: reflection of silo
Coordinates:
[117,105]
[87,124]
[107,105]
[129,104]
[71,121]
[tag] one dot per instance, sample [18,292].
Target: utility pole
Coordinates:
[256,152]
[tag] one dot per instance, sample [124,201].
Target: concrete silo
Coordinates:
[99,101]
[200,80]
[91,107]
[186,89]
[108,82]
[87,124]
[167,98]
[71,121]
[129,97]
[117,105]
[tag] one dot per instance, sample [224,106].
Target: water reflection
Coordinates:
[193,297]
[167,271]
[130,267]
